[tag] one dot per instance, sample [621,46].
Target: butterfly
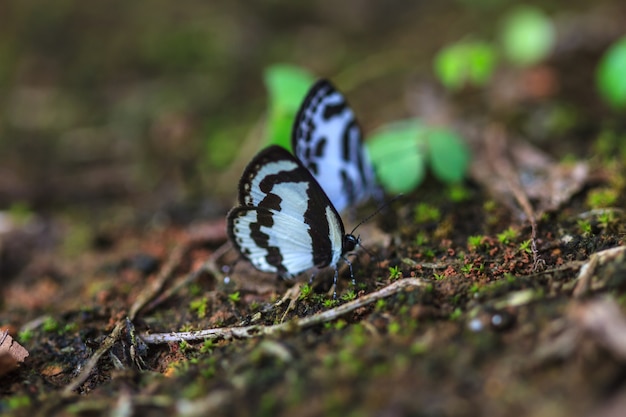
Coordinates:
[327,139]
[285,222]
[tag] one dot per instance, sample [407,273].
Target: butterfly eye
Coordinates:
[350,242]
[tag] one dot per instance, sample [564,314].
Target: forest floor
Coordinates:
[504,295]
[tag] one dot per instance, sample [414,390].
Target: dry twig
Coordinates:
[257,330]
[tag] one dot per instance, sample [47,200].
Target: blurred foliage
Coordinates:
[611,75]
[401,151]
[397,156]
[465,63]
[448,155]
[527,35]
[287,86]
[153,100]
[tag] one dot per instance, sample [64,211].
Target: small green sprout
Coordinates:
[207,346]
[340,324]
[474,242]
[601,198]
[68,328]
[50,325]
[506,236]
[184,345]
[186,327]
[425,213]
[421,239]
[380,305]
[394,273]
[510,278]
[318,298]
[439,277]
[456,314]
[394,327]
[467,268]
[584,225]
[606,218]
[199,306]
[194,289]
[349,295]
[490,206]
[418,347]
[234,297]
[25,336]
[525,246]
[330,302]
[305,292]
[457,193]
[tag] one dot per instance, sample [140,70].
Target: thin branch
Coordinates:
[148,294]
[301,323]
[93,360]
[164,275]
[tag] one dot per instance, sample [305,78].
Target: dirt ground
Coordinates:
[500,296]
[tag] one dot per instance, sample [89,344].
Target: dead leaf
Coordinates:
[11,353]
[514,171]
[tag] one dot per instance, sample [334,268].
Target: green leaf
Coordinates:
[465,63]
[482,62]
[287,85]
[611,75]
[527,36]
[397,156]
[449,67]
[448,155]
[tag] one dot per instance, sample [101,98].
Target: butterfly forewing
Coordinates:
[328,141]
[286,223]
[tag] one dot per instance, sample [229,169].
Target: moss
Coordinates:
[199,306]
[425,213]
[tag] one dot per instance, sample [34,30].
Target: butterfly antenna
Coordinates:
[370,253]
[378,210]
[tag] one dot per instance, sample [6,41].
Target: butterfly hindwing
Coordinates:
[327,139]
[286,223]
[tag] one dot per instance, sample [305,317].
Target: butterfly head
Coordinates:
[350,242]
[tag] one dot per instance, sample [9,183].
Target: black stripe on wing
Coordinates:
[269,173]
[250,241]
[336,158]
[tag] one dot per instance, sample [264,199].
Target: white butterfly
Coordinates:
[285,222]
[328,140]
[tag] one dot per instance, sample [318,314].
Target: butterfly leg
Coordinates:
[346,260]
[335,283]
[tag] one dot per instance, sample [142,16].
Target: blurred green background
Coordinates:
[154,103]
